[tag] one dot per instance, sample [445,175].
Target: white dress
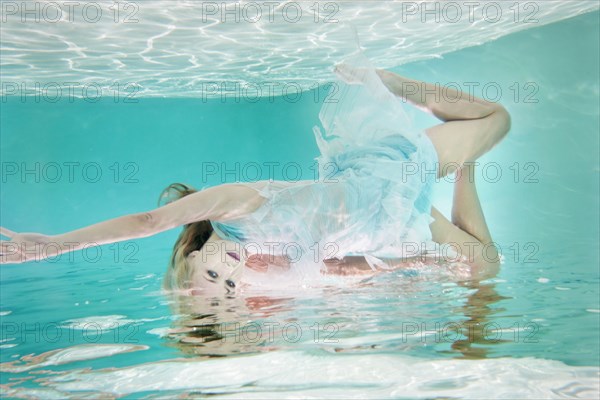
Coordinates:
[373,195]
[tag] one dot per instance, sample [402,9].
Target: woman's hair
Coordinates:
[193,237]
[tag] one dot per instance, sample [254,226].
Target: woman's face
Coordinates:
[217,267]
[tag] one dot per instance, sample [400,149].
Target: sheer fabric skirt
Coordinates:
[373,195]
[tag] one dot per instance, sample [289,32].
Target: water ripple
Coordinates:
[163,47]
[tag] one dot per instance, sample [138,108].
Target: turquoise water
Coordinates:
[97,323]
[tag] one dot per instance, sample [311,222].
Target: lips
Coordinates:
[233,255]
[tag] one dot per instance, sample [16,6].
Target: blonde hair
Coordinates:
[193,237]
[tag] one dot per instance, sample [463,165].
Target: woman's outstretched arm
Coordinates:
[221,203]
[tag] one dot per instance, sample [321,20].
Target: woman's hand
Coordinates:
[23,247]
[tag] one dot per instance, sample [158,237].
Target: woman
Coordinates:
[369,210]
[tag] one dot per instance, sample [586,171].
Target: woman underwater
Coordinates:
[369,211]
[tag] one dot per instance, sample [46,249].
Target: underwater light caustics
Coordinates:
[206,49]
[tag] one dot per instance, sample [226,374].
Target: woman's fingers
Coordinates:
[6,232]
[8,247]
[9,253]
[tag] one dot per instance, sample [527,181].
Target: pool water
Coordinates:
[95,323]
